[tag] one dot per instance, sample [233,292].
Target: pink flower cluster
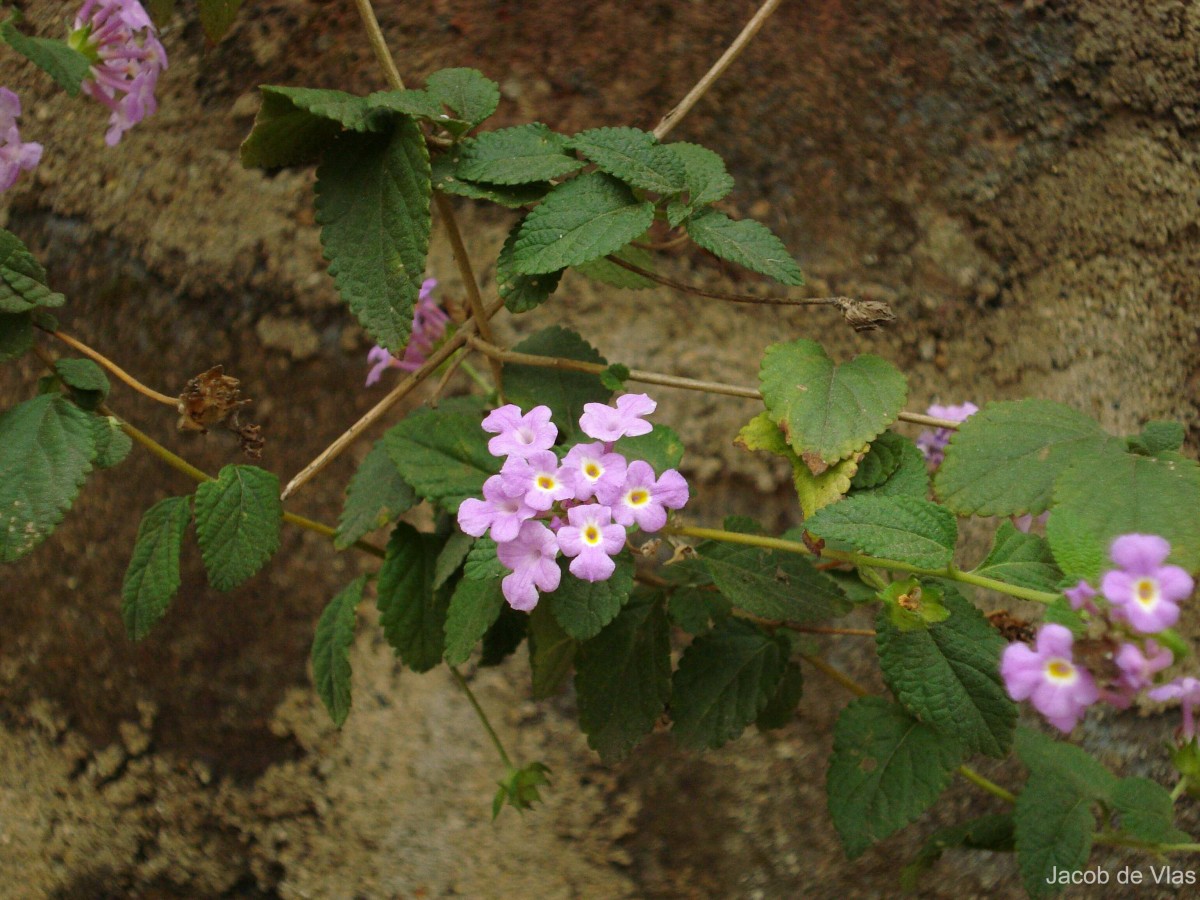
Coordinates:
[122,45]
[581,505]
[15,156]
[1143,595]
[933,443]
[429,325]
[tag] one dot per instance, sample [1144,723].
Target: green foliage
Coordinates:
[745,242]
[880,463]
[615,376]
[48,446]
[828,410]
[373,195]
[781,708]
[1004,460]
[813,491]
[608,272]
[445,179]
[1021,559]
[112,443]
[376,495]
[476,603]
[580,220]
[886,769]
[564,391]
[1147,812]
[66,65]
[911,478]
[623,677]
[87,381]
[947,675]
[412,613]
[1065,763]
[519,155]
[470,95]
[237,523]
[724,681]
[217,17]
[519,789]
[985,833]
[634,156]
[773,584]
[583,608]
[1157,437]
[912,604]
[482,562]
[407,102]
[551,652]
[443,454]
[454,553]
[295,125]
[901,528]
[16,335]
[705,177]
[695,609]
[503,638]
[522,293]
[1074,548]
[22,279]
[152,577]
[1053,825]
[331,650]
[661,447]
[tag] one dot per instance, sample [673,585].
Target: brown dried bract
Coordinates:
[1010,627]
[213,399]
[864,315]
[814,544]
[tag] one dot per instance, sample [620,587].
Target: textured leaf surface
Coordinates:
[1146,811]
[112,444]
[443,454]
[661,447]
[1021,559]
[294,125]
[66,65]
[911,478]
[373,195]
[1004,460]
[152,577]
[237,523]
[87,381]
[521,293]
[412,613]
[724,681]
[886,769]
[452,556]
[482,562]
[376,495]
[565,392]
[695,610]
[445,179]
[623,677]
[16,335]
[780,710]
[634,156]
[947,675]
[331,650]
[813,491]
[1067,763]
[580,220]
[608,272]
[880,463]
[525,153]
[825,409]
[581,607]
[217,17]
[1054,826]
[773,584]
[745,242]
[474,608]
[901,528]
[22,278]
[468,92]
[551,652]
[408,102]
[705,176]
[48,446]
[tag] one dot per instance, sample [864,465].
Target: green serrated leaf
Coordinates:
[474,608]
[294,125]
[522,293]
[1004,459]
[580,220]
[947,675]
[468,92]
[725,680]
[886,769]
[551,652]
[16,335]
[237,523]
[412,613]
[1141,494]
[623,677]
[22,278]
[88,383]
[373,194]
[217,17]
[482,563]
[634,156]
[829,410]
[1076,552]
[421,104]
[66,65]
[993,833]
[1065,763]
[615,376]
[661,447]
[608,272]
[678,212]
[1021,559]
[331,650]
[780,711]
[902,528]
[564,391]
[911,478]
[152,577]
[880,463]
[745,242]
[1053,826]
[695,609]
[442,454]
[773,584]
[583,608]
[376,495]
[1147,811]
[452,556]
[509,196]
[519,155]
[1156,437]
[48,450]
[112,443]
[705,177]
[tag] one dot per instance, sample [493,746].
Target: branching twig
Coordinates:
[721,295]
[101,360]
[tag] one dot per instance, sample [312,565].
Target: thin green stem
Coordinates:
[476,376]
[1117,839]
[379,44]
[483,719]
[987,784]
[1180,786]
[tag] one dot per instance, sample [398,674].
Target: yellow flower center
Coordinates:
[592,471]
[591,535]
[1060,670]
[1146,591]
[638,497]
[545,482]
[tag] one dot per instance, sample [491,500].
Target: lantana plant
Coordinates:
[561,521]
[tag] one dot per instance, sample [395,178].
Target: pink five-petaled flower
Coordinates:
[1060,690]
[591,471]
[429,324]
[120,41]
[933,443]
[497,511]
[604,423]
[537,479]
[1136,670]
[531,558]
[15,156]
[592,540]
[645,500]
[1080,597]
[1187,691]
[520,435]
[1144,592]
